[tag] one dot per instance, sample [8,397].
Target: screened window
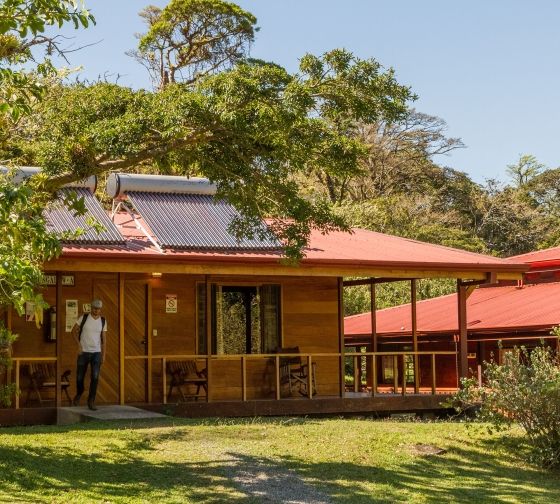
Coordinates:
[245,319]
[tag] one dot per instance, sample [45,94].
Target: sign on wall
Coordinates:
[49,280]
[67,280]
[71,313]
[171,303]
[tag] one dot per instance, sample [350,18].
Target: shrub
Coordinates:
[524,390]
[6,340]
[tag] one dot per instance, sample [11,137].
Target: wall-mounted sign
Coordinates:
[171,303]
[86,308]
[49,280]
[67,280]
[71,313]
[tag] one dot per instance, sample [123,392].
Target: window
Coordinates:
[245,319]
[387,366]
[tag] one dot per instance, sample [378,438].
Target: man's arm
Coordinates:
[75,335]
[103,345]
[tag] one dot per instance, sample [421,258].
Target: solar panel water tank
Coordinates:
[182,213]
[22,173]
[118,184]
[63,220]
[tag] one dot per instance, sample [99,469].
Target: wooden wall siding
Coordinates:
[135,341]
[176,332]
[31,341]
[310,321]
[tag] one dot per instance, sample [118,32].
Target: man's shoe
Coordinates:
[91,406]
[76,401]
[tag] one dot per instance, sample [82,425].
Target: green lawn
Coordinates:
[329,460]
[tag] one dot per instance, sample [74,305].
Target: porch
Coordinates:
[258,385]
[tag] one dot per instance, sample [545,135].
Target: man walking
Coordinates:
[90,333]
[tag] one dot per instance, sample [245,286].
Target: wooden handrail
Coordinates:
[308,356]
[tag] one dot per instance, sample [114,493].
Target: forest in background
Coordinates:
[404,189]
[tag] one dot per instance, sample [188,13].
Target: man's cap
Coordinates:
[96,303]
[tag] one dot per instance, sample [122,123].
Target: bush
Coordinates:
[524,390]
[6,340]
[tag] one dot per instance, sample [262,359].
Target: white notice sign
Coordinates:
[71,313]
[171,303]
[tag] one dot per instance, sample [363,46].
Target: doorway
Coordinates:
[136,341]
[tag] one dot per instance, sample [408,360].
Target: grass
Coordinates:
[341,460]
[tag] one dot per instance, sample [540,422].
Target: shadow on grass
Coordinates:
[471,472]
[466,474]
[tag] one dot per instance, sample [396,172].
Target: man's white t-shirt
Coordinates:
[90,341]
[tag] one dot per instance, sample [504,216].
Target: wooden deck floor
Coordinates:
[355,404]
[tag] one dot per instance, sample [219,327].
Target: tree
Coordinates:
[189,39]
[525,169]
[22,27]
[251,129]
[26,244]
[399,157]
[510,224]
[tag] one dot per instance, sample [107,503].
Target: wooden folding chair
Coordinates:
[184,376]
[295,373]
[42,377]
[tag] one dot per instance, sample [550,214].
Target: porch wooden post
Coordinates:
[121,339]
[341,333]
[59,333]
[462,318]
[414,336]
[373,308]
[209,349]
[373,311]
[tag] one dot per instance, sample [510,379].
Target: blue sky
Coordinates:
[489,68]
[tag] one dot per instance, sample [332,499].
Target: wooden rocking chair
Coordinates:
[295,373]
[184,375]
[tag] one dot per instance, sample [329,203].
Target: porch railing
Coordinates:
[372,358]
[310,359]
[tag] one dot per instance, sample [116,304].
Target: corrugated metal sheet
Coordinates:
[550,254]
[193,221]
[488,308]
[61,219]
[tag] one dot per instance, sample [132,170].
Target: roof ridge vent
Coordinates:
[118,184]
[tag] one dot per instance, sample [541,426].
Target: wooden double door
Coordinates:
[135,344]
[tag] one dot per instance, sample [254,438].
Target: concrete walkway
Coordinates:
[77,414]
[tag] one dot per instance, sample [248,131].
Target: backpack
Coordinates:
[83,323]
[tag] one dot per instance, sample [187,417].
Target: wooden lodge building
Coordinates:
[499,317]
[202,324]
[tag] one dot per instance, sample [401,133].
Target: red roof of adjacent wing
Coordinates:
[491,308]
[540,259]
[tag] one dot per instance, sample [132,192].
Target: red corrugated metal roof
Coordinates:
[360,248]
[540,259]
[508,307]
